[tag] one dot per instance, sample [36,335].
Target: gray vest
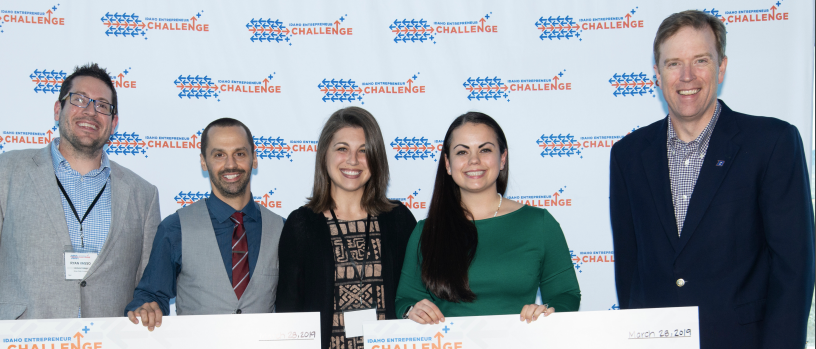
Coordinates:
[203,286]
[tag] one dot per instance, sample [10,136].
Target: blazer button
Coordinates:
[82,283]
[238,311]
[680,282]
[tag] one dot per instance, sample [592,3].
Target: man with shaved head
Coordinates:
[218,255]
[711,207]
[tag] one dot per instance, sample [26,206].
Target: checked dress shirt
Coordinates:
[685,161]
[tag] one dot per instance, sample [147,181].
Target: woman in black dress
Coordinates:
[343,251]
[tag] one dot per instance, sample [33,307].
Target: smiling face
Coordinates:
[689,73]
[475,160]
[346,161]
[84,129]
[229,161]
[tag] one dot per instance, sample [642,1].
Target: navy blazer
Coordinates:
[746,252]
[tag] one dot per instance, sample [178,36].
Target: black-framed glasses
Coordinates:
[82,101]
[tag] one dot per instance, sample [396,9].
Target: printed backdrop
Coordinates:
[565,79]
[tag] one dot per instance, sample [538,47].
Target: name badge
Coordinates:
[77,264]
[354,320]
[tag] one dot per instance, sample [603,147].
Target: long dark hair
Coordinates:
[449,239]
[374,200]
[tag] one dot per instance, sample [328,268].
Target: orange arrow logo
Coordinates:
[78,336]
[438,337]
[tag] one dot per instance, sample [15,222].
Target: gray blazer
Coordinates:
[33,233]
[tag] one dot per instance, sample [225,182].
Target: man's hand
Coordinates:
[150,313]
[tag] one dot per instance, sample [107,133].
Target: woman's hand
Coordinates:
[425,312]
[530,312]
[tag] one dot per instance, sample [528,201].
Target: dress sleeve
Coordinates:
[404,226]
[558,284]
[411,290]
[290,252]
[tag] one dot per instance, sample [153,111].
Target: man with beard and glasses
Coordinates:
[75,227]
[228,261]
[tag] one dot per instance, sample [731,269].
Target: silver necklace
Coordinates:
[497,208]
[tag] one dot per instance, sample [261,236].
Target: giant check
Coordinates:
[644,328]
[291,331]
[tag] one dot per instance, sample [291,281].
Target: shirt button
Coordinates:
[685,197]
[82,284]
[680,282]
[238,311]
[687,162]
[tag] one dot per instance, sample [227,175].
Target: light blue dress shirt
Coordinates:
[82,189]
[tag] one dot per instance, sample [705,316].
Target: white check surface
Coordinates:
[643,328]
[290,331]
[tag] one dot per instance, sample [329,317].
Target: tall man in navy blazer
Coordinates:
[711,207]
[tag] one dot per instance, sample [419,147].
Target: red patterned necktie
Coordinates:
[240,263]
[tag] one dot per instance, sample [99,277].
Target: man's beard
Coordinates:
[232,190]
[87,150]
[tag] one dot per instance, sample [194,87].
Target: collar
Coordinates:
[675,141]
[59,161]
[222,212]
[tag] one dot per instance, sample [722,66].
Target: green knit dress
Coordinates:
[518,254]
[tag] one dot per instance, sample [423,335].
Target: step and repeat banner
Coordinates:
[564,79]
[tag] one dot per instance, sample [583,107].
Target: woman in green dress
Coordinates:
[476,253]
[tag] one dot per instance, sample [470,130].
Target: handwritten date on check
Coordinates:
[290,335]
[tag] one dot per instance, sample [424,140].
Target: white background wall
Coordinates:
[769,73]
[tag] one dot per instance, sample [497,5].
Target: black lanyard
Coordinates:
[365,255]
[81,232]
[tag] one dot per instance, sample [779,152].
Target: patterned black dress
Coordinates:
[350,244]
